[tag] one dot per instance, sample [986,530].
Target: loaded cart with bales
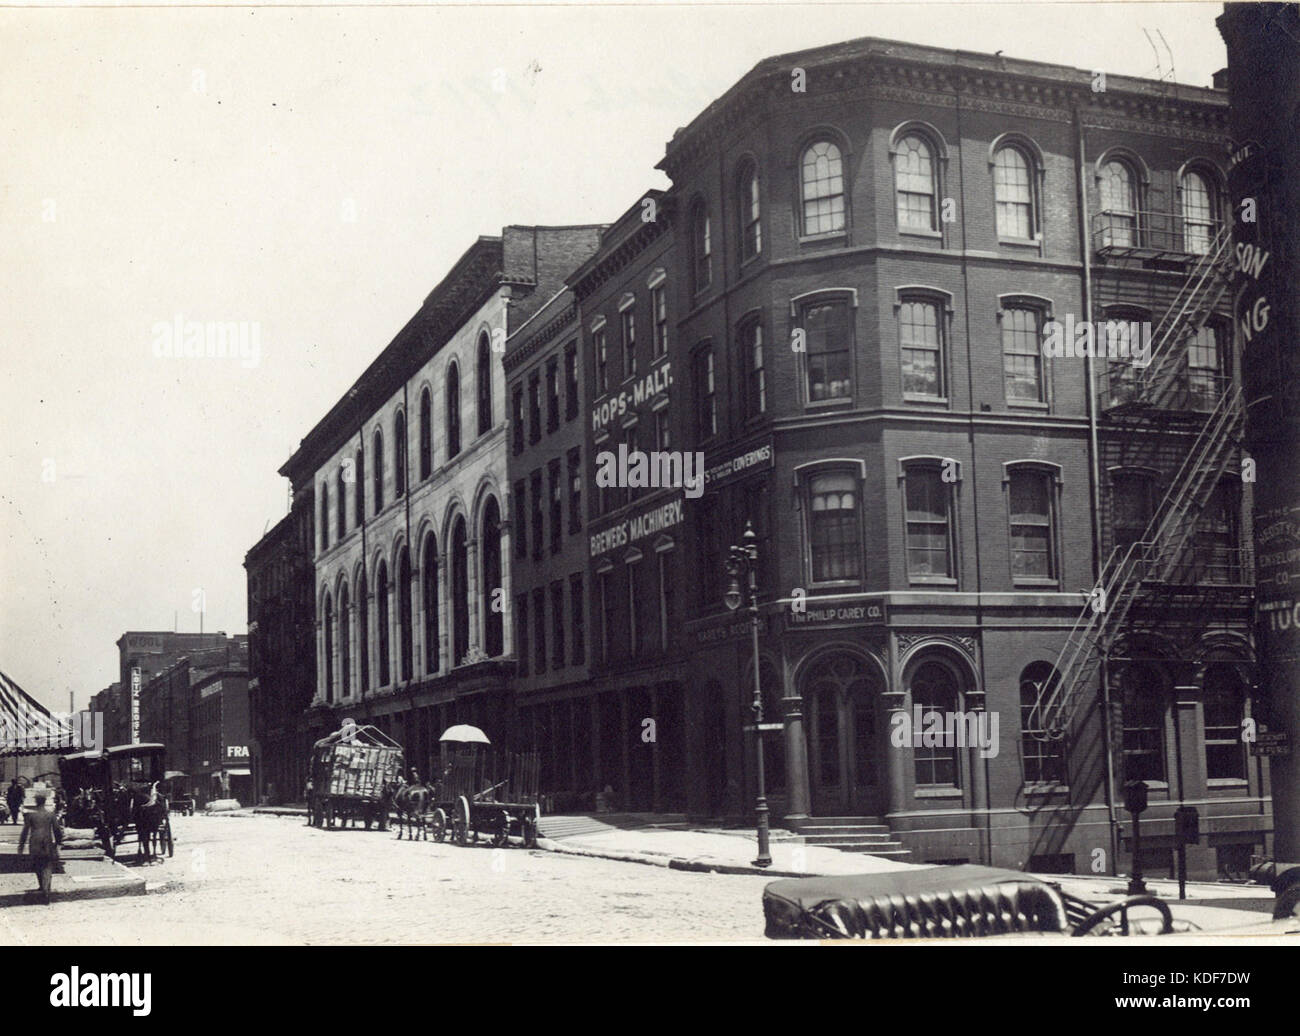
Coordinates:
[351,772]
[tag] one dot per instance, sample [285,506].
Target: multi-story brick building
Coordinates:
[409,468]
[875,240]
[219,748]
[282,652]
[111,703]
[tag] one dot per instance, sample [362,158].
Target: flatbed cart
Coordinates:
[351,772]
[484,791]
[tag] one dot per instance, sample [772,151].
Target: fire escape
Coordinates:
[1169,566]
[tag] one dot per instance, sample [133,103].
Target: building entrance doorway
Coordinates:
[845,735]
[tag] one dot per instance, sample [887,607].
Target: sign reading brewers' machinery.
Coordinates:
[654,519]
[837,613]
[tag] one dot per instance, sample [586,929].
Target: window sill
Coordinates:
[829,235]
[832,586]
[1227,782]
[1027,404]
[912,397]
[938,792]
[1043,584]
[936,235]
[824,404]
[1045,788]
[1022,242]
[932,581]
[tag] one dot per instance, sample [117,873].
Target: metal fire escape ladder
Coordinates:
[1156,556]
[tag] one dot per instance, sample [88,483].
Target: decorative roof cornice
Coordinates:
[614,258]
[566,318]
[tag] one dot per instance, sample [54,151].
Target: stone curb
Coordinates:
[679,863]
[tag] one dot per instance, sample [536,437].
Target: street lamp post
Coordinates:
[746,558]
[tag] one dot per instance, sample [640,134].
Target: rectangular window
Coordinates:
[571,381]
[922,354]
[517,418]
[575,489]
[631,440]
[834,527]
[534,407]
[1225,754]
[602,361]
[659,307]
[663,436]
[602,583]
[535,481]
[539,629]
[753,374]
[556,495]
[520,530]
[1022,355]
[557,625]
[634,609]
[1205,381]
[578,619]
[521,633]
[828,341]
[1132,506]
[629,342]
[552,394]
[1031,526]
[667,601]
[706,413]
[929,537]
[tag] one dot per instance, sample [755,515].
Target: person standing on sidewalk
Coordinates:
[14,795]
[46,832]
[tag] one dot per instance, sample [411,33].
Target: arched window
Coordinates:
[484,384]
[399,453]
[821,187]
[934,690]
[459,592]
[404,619]
[1199,215]
[345,643]
[379,470]
[1142,691]
[324,515]
[916,184]
[834,527]
[1044,760]
[359,480]
[701,246]
[381,593]
[363,632]
[1119,203]
[1013,193]
[453,411]
[429,595]
[341,506]
[1030,504]
[493,618]
[426,433]
[1224,701]
[329,648]
[751,231]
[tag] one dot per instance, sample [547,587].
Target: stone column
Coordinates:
[799,801]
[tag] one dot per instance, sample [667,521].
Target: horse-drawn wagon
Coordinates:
[485,791]
[351,772]
[114,792]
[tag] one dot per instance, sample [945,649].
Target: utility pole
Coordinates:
[1263,43]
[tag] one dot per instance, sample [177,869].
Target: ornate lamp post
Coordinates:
[745,558]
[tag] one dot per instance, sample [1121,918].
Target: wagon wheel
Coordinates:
[501,836]
[460,825]
[438,824]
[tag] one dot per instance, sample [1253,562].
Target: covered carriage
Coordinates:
[116,793]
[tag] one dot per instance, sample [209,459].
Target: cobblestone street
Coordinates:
[264,879]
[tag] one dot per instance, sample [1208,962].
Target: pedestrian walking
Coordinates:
[14,796]
[46,833]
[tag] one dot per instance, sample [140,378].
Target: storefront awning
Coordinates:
[28,728]
[238,771]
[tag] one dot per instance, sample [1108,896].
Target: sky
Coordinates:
[312,173]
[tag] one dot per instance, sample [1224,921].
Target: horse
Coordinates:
[411,803]
[148,810]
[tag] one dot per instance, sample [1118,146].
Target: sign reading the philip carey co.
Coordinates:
[718,471]
[1274,742]
[810,614]
[656,518]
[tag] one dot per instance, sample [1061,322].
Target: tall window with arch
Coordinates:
[1043,758]
[379,470]
[916,184]
[1224,702]
[453,411]
[404,615]
[753,371]
[834,527]
[1200,216]
[1031,511]
[928,519]
[399,453]
[1013,193]
[492,604]
[1119,203]
[381,593]
[429,598]
[328,630]
[363,631]
[359,480]
[920,332]
[751,230]
[934,689]
[484,376]
[1022,354]
[426,433]
[821,189]
[459,592]
[828,349]
[324,515]
[341,505]
[345,642]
